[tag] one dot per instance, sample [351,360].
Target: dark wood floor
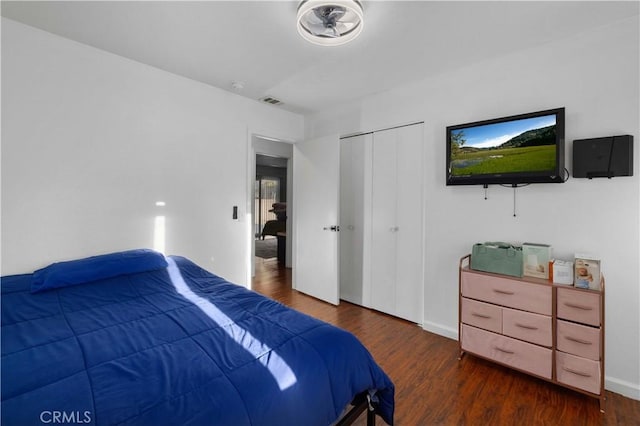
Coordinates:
[432,386]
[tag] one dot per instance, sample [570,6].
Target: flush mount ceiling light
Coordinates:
[330,22]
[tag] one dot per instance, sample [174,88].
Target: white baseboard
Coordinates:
[451,333]
[622,387]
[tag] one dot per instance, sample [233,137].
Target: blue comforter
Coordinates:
[175,346]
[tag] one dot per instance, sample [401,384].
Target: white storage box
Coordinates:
[562,272]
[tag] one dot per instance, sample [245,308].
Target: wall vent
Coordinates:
[271,100]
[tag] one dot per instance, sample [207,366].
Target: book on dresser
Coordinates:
[536,259]
[587,271]
[554,332]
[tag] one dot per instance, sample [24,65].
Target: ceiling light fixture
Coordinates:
[330,22]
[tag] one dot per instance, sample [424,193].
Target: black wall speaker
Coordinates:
[603,157]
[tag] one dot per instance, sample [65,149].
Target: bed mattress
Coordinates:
[177,345]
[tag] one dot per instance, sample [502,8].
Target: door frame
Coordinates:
[266,145]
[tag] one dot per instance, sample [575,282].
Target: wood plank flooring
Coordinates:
[433,387]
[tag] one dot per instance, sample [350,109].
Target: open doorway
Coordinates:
[271,203]
[270,208]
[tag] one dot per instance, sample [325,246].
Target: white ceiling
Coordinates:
[256,42]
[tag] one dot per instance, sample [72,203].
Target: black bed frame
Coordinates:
[360,403]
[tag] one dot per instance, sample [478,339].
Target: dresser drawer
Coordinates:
[578,372]
[482,315]
[534,328]
[514,353]
[507,292]
[578,340]
[579,306]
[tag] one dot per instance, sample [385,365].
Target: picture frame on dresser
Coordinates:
[551,331]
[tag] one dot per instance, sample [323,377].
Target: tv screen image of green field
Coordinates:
[525,145]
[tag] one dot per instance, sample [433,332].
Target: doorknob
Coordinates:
[334,228]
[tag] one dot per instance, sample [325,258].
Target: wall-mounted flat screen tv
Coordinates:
[519,149]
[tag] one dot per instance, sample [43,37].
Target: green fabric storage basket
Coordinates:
[498,258]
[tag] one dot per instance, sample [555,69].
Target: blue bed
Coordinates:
[171,344]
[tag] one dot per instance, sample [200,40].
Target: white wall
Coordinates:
[91,140]
[595,76]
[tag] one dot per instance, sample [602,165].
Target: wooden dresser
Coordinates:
[553,332]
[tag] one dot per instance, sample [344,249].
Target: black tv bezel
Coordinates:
[548,176]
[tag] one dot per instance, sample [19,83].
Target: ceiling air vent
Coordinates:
[272,101]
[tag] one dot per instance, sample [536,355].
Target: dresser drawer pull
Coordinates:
[475,314]
[578,373]
[584,308]
[573,339]
[528,327]
[503,350]
[510,293]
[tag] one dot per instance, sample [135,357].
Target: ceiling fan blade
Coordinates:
[344,27]
[336,13]
[314,18]
[317,14]
[327,14]
[322,30]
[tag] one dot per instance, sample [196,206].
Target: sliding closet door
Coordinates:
[355,218]
[409,240]
[396,217]
[383,220]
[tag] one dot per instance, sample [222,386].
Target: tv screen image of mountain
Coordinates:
[519,149]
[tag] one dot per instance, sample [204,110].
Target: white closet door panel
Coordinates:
[348,288]
[409,148]
[367,188]
[383,221]
[353,169]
